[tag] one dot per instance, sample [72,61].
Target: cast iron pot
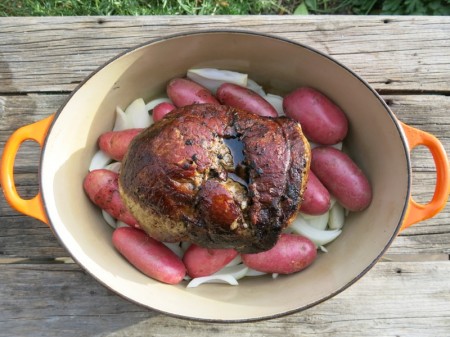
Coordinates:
[377,141]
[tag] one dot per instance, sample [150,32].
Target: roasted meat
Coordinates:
[183,181]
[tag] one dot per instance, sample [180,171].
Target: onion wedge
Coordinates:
[319,237]
[277,102]
[212,78]
[137,114]
[212,279]
[99,160]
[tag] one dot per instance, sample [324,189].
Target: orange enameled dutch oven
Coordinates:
[377,141]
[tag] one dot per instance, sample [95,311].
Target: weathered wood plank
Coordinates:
[393,299]
[54,54]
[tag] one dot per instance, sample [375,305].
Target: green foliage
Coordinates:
[385,7]
[138,7]
[221,7]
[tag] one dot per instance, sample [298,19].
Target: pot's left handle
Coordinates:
[37,132]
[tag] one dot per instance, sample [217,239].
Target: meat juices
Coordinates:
[176,178]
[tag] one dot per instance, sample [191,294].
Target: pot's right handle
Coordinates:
[37,132]
[417,212]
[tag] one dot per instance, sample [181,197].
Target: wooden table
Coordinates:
[43,293]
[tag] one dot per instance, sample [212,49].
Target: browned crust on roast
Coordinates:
[175,178]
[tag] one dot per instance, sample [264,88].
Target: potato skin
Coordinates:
[162,109]
[322,121]
[291,254]
[243,98]
[201,261]
[316,199]
[102,188]
[184,92]
[342,177]
[149,256]
[115,143]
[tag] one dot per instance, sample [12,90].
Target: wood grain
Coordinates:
[391,53]
[393,299]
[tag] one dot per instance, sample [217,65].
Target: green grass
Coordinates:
[141,7]
[220,7]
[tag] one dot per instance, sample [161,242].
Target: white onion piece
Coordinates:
[337,216]
[212,78]
[238,271]
[121,224]
[252,85]
[109,219]
[319,237]
[323,249]
[253,272]
[275,275]
[99,161]
[138,115]
[212,279]
[150,105]
[332,201]
[237,260]
[175,247]
[277,102]
[338,146]
[317,221]
[122,121]
[115,166]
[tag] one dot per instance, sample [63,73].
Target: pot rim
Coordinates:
[239,32]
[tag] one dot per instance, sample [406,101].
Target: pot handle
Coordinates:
[417,212]
[33,207]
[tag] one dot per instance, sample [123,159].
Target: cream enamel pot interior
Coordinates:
[377,141]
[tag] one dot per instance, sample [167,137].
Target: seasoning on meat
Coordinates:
[182,182]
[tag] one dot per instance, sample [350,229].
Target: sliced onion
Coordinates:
[252,85]
[122,122]
[317,221]
[337,216]
[338,146]
[138,115]
[150,105]
[319,237]
[277,102]
[212,78]
[99,161]
[237,271]
[115,166]
[237,260]
[121,224]
[175,247]
[109,219]
[212,279]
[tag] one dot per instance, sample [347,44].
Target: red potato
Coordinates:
[322,121]
[162,109]
[115,143]
[316,199]
[201,261]
[184,92]
[243,98]
[149,256]
[342,177]
[290,254]
[102,187]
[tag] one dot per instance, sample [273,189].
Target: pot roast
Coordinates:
[216,176]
